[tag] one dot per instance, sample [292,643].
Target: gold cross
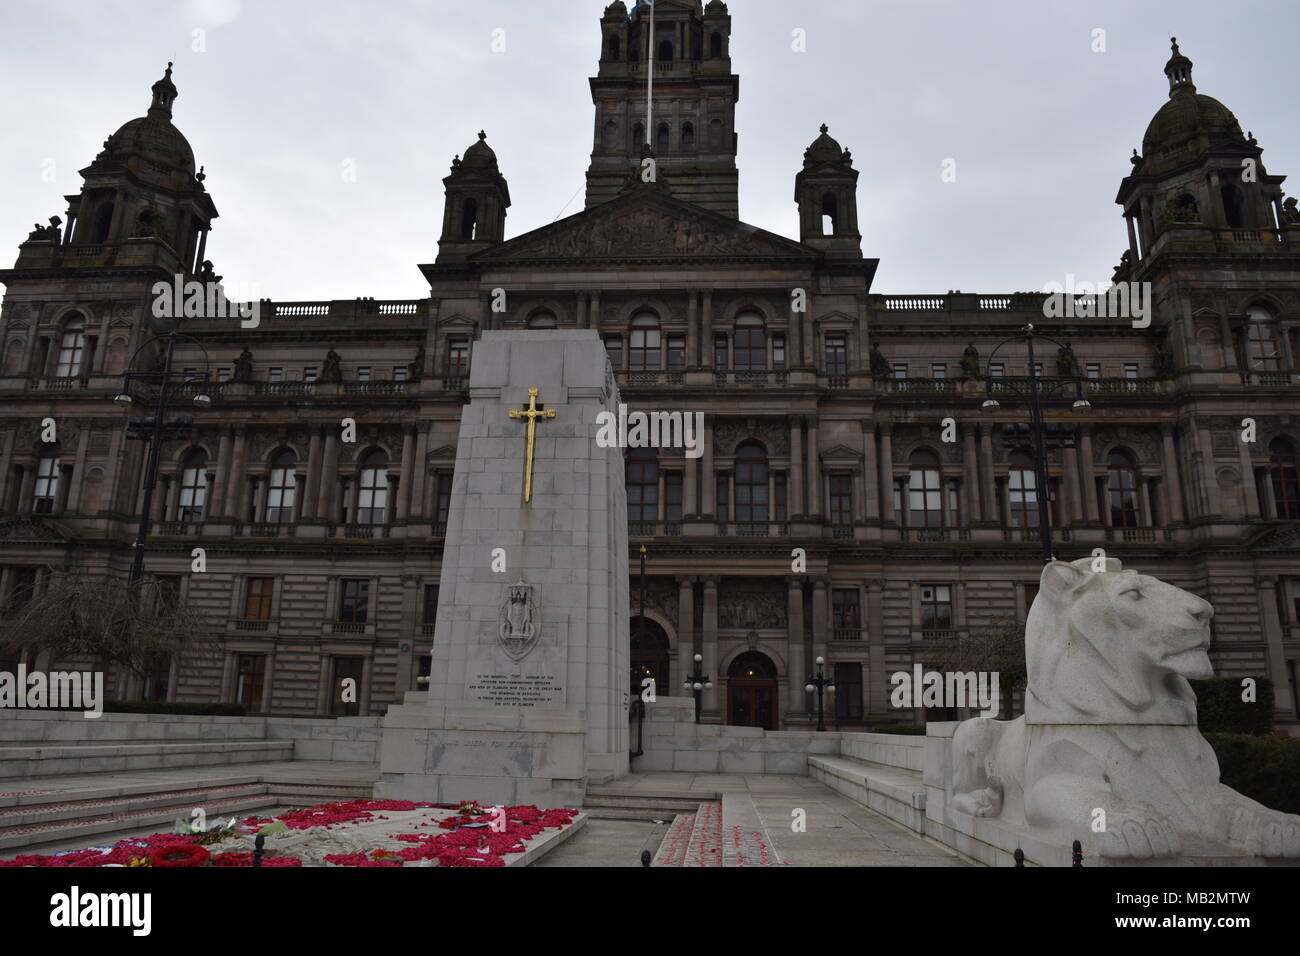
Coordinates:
[532,413]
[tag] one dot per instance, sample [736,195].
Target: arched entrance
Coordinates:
[649,655]
[751,691]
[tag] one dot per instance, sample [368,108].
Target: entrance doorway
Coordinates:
[649,656]
[751,691]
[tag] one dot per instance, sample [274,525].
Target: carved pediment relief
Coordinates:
[30,529]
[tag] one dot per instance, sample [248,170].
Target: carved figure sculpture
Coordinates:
[1110,725]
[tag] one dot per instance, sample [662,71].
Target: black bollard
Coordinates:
[258,845]
[645,857]
[1020,857]
[1077,854]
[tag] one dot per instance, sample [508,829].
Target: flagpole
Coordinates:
[650,77]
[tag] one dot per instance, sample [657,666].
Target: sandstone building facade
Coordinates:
[824,424]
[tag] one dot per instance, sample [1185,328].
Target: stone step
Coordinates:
[52,760]
[669,802]
[897,793]
[704,847]
[672,850]
[627,813]
[745,840]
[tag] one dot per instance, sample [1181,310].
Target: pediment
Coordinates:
[1286,538]
[445,453]
[646,223]
[842,453]
[30,529]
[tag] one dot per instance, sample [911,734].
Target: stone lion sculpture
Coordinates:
[1110,726]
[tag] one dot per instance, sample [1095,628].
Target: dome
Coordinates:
[480,154]
[153,138]
[823,150]
[1187,116]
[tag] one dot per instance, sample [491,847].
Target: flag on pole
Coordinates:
[635,7]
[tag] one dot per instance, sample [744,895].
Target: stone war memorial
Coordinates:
[529,699]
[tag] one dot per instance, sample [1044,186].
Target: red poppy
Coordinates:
[177,855]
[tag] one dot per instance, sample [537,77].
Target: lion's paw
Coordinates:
[1139,835]
[1267,833]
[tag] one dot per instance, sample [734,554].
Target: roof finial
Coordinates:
[482,135]
[825,128]
[1178,70]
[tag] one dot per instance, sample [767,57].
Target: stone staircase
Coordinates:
[29,760]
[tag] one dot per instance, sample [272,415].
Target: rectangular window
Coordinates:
[457,359]
[363,373]
[848,691]
[841,500]
[257,599]
[399,373]
[720,351]
[46,488]
[223,375]
[997,370]
[24,587]
[779,489]
[70,352]
[676,354]
[444,497]
[837,355]
[354,600]
[643,350]
[900,370]
[309,374]
[724,502]
[250,670]
[936,607]
[672,496]
[614,349]
[778,351]
[277,375]
[938,371]
[430,604]
[1092,370]
[347,687]
[844,612]
[1038,368]
[1130,370]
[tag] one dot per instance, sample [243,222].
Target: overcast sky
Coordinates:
[286,91]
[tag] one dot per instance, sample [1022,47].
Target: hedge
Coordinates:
[1220,709]
[1266,769]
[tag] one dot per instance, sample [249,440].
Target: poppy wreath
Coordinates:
[179,855]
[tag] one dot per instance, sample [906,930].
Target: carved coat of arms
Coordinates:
[520,622]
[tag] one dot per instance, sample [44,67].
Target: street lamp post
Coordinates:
[698,682]
[822,684]
[155,429]
[1035,386]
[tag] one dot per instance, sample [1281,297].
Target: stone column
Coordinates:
[859,496]
[870,474]
[329,480]
[807,329]
[363,698]
[420,478]
[821,626]
[228,677]
[216,504]
[709,700]
[797,506]
[706,331]
[581,309]
[311,488]
[692,328]
[1071,481]
[877,680]
[987,484]
[690,499]
[797,705]
[78,471]
[814,470]
[1147,514]
[685,634]
[7,474]
[708,478]
[235,478]
[1172,473]
[1250,492]
[970,464]
[887,475]
[1276,655]
[1087,484]
[323,690]
[408,465]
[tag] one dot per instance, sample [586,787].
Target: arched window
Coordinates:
[924,504]
[665,51]
[46,489]
[71,348]
[611,135]
[102,222]
[615,48]
[638,137]
[750,347]
[751,483]
[661,145]
[281,488]
[1233,208]
[715,45]
[1283,475]
[830,215]
[1121,489]
[644,344]
[688,138]
[469,219]
[542,320]
[372,496]
[194,486]
[1262,354]
[1022,491]
[642,486]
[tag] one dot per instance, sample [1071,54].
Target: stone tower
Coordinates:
[474,216]
[692,131]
